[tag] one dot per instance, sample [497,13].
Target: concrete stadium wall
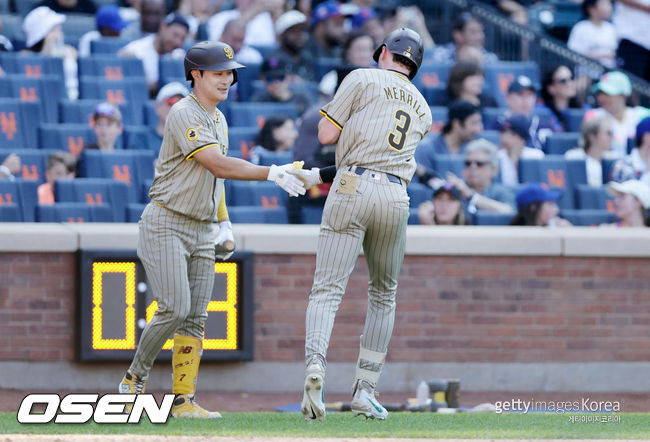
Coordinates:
[502,308]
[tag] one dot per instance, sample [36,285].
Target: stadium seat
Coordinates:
[10,214]
[608,169]
[588,217]
[269,158]
[46,89]
[135,137]
[110,67]
[311,214]
[146,186]
[241,139]
[574,119]
[558,143]
[258,215]
[324,65]
[131,167]
[498,76]
[449,163]
[81,111]
[491,115]
[150,116]
[94,191]
[593,198]
[254,114]
[493,136]
[439,115]
[10,201]
[245,79]
[413,220]
[485,218]
[170,69]
[73,212]
[432,74]
[435,95]
[262,193]
[132,90]
[33,162]
[31,65]
[12,23]
[418,193]
[108,45]
[556,172]
[68,137]
[18,123]
[133,212]
[76,25]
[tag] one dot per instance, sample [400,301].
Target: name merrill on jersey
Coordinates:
[393,93]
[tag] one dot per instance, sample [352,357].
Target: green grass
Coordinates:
[398,425]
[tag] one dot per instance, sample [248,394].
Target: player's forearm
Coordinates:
[485,203]
[235,169]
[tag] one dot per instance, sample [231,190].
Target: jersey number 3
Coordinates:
[397,137]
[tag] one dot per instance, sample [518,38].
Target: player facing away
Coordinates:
[377,118]
[176,244]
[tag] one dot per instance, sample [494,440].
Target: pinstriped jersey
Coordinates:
[382,117]
[181,183]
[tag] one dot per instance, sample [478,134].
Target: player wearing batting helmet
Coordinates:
[176,243]
[376,118]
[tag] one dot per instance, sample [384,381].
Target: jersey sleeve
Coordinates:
[338,110]
[190,132]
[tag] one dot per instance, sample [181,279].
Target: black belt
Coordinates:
[392,178]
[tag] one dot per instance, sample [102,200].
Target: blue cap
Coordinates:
[108,16]
[519,124]
[361,17]
[325,11]
[521,83]
[536,193]
[641,129]
[176,18]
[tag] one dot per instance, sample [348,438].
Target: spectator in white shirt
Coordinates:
[168,41]
[514,137]
[596,141]
[595,37]
[632,21]
[257,14]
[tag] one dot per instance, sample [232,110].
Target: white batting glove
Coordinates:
[292,185]
[309,178]
[224,243]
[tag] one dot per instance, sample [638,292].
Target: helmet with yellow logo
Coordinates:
[211,56]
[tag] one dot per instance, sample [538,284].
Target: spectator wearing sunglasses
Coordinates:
[274,75]
[595,37]
[477,186]
[107,125]
[559,90]
[169,95]
[595,144]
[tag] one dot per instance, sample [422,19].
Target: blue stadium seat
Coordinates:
[559,142]
[254,114]
[150,116]
[324,65]
[94,191]
[18,123]
[311,214]
[10,201]
[449,163]
[68,137]
[74,212]
[131,167]
[262,193]
[435,95]
[593,198]
[46,89]
[241,139]
[574,119]
[146,186]
[279,158]
[588,217]
[132,90]
[432,74]
[258,215]
[133,212]
[81,111]
[108,45]
[485,218]
[76,25]
[608,169]
[557,173]
[418,193]
[245,79]
[491,115]
[33,162]
[413,216]
[135,137]
[440,116]
[498,76]
[110,67]
[493,136]
[31,65]
[170,69]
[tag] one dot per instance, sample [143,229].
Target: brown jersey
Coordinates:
[182,184]
[382,117]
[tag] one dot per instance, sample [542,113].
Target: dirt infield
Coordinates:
[250,402]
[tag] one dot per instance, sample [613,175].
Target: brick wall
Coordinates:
[449,309]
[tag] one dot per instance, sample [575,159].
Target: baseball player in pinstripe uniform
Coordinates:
[377,118]
[176,243]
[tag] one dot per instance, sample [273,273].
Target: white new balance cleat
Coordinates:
[313,404]
[365,403]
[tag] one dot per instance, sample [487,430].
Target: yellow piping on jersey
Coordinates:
[332,120]
[398,74]
[216,116]
[190,156]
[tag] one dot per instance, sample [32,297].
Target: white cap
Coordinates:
[289,19]
[640,190]
[39,22]
[171,90]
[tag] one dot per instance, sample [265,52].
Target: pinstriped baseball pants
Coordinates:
[374,218]
[178,255]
